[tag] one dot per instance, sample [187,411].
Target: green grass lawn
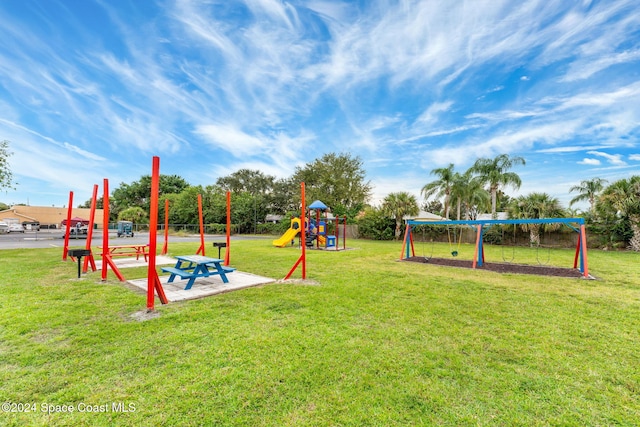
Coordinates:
[370,342]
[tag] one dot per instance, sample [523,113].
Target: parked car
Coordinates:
[15,228]
[125,229]
[33,225]
[4,227]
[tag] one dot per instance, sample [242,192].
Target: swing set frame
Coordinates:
[576,224]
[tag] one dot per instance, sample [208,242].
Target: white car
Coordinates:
[15,228]
[4,227]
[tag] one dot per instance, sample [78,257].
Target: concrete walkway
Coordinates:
[204,287]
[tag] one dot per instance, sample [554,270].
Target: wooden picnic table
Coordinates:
[129,250]
[194,266]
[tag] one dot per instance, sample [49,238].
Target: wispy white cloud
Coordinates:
[586,68]
[614,159]
[570,149]
[590,162]
[273,84]
[431,114]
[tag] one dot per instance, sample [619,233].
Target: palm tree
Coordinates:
[458,190]
[495,173]
[441,187]
[588,190]
[623,198]
[534,206]
[467,192]
[397,205]
[476,198]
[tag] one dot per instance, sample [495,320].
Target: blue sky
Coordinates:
[93,89]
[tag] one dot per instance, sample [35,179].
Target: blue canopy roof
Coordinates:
[318,205]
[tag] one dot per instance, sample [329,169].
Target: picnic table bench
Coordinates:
[194,266]
[129,250]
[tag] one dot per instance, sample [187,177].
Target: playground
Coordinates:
[373,342]
[501,267]
[361,340]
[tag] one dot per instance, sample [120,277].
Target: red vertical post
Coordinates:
[201,248]
[479,252]
[304,235]
[153,281]
[67,228]
[585,261]
[344,234]
[165,247]
[107,261]
[404,242]
[105,228]
[227,251]
[303,257]
[578,246]
[92,220]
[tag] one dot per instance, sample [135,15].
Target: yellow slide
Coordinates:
[286,238]
[288,235]
[322,241]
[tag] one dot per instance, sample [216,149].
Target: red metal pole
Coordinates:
[227,252]
[92,218]
[153,281]
[344,234]
[304,236]
[303,257]
[201,249]
[105,228]
[475,253]
[583,239]
[404,242]
[165,247]
[106,256]
[67,228]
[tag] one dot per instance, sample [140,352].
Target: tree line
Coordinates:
[613,215]
[339,180]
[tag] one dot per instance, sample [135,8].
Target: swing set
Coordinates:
[454,251]
[454,237]
[576,224]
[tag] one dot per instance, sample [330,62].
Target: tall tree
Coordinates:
[6,176]
[252,181]
[467,192]
[441,187]
[458,189]
[338,180]
[397,205]
[255,191]
[496,174]
[623,198]
[285,196]
[135,214]
[138,192]
[534,206]
[588,191]
[476,198]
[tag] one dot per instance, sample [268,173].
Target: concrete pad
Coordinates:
[204,286]
[125,262]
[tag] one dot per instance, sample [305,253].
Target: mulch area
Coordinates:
[543,270]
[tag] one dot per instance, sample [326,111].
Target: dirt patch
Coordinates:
[542,270]
[141,316]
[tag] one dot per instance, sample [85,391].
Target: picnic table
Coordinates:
[194,266]
[129,250]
